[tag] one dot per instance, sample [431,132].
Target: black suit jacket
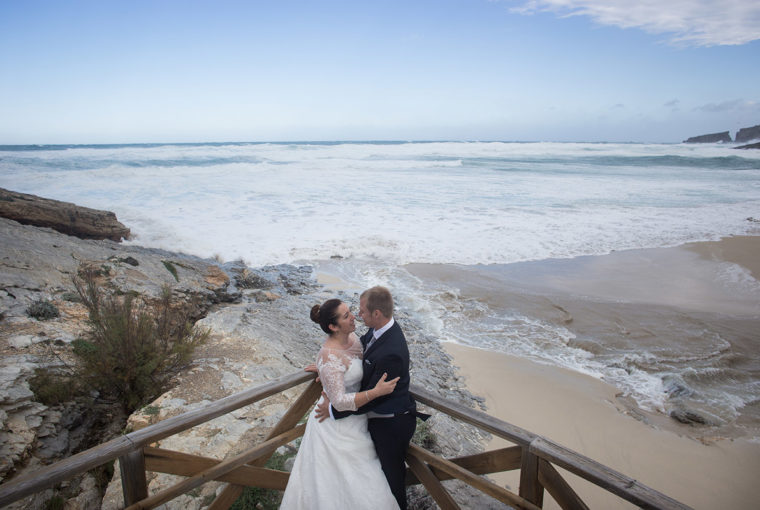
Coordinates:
[389,354]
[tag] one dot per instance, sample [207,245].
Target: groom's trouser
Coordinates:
[391,437]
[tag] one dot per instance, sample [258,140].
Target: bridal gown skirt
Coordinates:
[337,467]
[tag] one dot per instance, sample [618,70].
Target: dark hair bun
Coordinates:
[315,313]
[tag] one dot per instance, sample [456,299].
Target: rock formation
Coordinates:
[38,263]
[749,133]
[259,331]
[723,137]
[64,217]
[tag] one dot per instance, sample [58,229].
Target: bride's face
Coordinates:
[346,322]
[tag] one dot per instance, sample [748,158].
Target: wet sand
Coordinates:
[581,413]
[692,276]
[689,463]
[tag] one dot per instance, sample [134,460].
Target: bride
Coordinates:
[336,465]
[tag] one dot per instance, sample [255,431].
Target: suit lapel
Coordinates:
[373,347]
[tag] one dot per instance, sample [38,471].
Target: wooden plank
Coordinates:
[431,483]
[559,489]
[227,498]
[606,478]
[530,487]
[292,416]
[222,468]
[49,476]
[470,478]
[480,419]
[134,486]
[185,464]
[496,461]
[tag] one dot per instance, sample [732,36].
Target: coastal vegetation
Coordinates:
[42,309]
[130,351]
[170,267]
[424,436]
[133,347]
[254,498]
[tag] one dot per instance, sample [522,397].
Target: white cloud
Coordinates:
[688,22]
[734,105]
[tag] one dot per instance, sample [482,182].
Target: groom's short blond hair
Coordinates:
[379,298]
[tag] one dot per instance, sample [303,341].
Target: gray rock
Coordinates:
[258,334]
[689,417]
[64,217]
[747,134]
[711,138]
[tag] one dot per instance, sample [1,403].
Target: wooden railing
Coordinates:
[533,455]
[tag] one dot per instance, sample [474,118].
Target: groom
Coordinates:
[393,417]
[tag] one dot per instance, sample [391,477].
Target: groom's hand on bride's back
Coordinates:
[322,411]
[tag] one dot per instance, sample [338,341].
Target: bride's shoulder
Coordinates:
[356,344]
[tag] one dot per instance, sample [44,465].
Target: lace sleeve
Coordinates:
[331,370]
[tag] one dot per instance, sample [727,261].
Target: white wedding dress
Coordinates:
[336,466]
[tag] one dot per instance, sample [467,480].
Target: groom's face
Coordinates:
[365,315]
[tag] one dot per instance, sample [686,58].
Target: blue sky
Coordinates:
[551,70]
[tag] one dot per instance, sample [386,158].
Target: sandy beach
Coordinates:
[581,412]
[702,466]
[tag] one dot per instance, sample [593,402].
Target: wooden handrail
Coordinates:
[472,416]
[54,474]
[606,478]
[599,474]
[536,454]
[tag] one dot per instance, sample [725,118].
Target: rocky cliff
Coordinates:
[747,134]
[744,135]
[723,137]
[260,331]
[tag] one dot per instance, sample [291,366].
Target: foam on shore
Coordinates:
[689,463]
[674,329]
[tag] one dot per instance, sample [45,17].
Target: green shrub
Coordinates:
[71,297]
[170,267]
[103,475]
[55,503]
[151,410]
[132,349]
[42,309]
[255,498]
[423,435]
[51,387]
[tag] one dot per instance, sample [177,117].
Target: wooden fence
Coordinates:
[534,456]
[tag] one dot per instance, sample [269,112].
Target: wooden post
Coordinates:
[134,485]
[530,487]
